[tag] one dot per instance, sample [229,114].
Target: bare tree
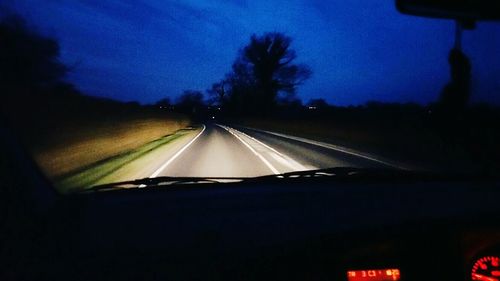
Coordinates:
[218,92]
[164,103]
[27,59]
[191,101]
[266,65]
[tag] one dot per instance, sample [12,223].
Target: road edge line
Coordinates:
[332,147]
[162,167]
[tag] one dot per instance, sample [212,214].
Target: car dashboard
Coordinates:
[296,230]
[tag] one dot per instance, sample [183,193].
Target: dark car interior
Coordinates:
[294,229]
[349,225]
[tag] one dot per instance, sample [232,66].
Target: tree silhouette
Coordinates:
[164,103]
[265,69]
[28,61]
[190,102]
[318,103]
[218,92]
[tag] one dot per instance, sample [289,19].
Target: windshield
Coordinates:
[104,92]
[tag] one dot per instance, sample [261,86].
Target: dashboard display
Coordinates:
[486,269]
[387,274]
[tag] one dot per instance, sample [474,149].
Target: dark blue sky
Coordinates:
[359,50]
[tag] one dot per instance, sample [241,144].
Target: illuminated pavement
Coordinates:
[222,151]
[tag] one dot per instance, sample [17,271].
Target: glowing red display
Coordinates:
[387,274]
[486,269]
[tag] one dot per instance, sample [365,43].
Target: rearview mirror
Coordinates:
[464,10]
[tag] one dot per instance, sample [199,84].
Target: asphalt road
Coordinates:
[221,151]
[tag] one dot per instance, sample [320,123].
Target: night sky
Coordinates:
[358,50]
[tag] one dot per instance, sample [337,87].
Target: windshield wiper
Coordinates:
[149,182]
[338,173]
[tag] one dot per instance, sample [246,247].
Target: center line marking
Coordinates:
[157,172]
[273,169]
[287,161]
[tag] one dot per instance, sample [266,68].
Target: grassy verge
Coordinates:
[70,150]
[68,133]
[410,144]
[91,174]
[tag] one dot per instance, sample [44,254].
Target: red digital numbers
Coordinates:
[388,274]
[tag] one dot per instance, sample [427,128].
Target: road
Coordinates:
[220,151]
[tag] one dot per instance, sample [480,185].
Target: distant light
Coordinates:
[312,107]
[218,108]
[213,117]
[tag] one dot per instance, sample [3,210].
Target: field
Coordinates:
[70,135]
[408,134]
[72,149]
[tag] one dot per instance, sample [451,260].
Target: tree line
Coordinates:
[29,62]
[32,76]
[263,77]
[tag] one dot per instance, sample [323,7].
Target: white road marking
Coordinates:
[157,172]
[271,167]
[281,160]
[333,147]
[287,161]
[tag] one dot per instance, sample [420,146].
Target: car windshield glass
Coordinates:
[103,92]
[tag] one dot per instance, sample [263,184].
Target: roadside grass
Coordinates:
[65,132]
[411,144]
[71,136]
[90,175]
[66,150]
